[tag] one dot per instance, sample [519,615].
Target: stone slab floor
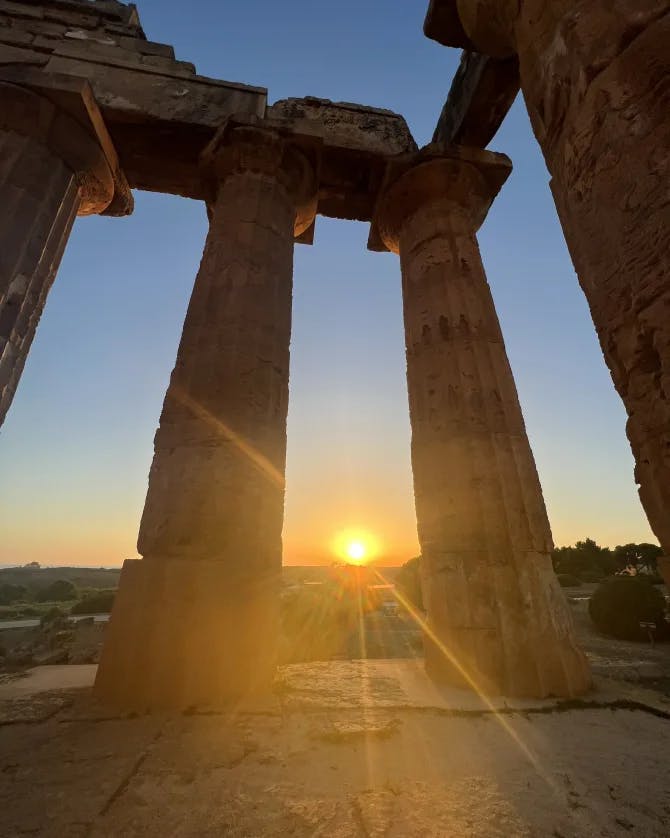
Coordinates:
[342,749]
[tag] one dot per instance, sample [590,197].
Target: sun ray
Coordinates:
[414,614]
[258,460]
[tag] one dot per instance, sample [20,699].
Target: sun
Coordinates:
[355,545]
[356,551]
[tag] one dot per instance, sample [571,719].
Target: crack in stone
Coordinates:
[123,785]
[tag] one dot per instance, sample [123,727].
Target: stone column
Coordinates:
[50,171]
[497,618]
[211,528]
[594,77]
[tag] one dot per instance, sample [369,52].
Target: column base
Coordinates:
[504,630]
[564,674]
[186,633]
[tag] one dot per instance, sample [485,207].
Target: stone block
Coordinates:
[144,94]
[186,633]
[10,35]
[92,50]
[346,124]
[21,10]
[42,27]
[73,18]
[145,47]
[168,65]
[17,55]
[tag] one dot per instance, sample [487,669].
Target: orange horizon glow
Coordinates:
[355,545]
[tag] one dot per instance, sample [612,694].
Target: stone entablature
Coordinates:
[161,115]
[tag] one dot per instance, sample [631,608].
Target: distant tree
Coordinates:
[585,558]
[35,565]
[59,591]
[408,582]
[12,593]
[639,556]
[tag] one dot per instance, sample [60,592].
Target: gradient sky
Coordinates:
[76,447]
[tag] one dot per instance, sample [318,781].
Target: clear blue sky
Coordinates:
[76,447]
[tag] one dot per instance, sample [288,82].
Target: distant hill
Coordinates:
[99,577]
[35,578]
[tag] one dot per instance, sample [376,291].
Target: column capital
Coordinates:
[464,180]
[486,26]
[86,149]
[269,153]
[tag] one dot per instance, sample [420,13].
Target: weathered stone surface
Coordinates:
[39,195]
[664,569]
[594,77]
[498,621]
[214,509]
[346,124]
[161,116]
[129,75]
[50,170]
[344,750]
[190,632]
[482,92]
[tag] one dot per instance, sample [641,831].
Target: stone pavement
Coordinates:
[356,748]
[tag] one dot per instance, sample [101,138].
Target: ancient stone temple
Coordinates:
[90,109]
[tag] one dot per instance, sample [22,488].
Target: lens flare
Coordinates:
[356,551]
[355,545]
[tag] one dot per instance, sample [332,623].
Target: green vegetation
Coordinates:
[12,593]
[32,591]
[621,603]
[54,617]
[592,563]
[95,602]
[59,591]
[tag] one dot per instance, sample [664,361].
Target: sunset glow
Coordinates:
[356,546]
[356,551]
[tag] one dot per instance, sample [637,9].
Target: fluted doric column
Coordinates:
[211,529]
[594,77]
[51,170]
[497,618]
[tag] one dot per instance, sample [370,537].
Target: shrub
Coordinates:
[10,594]
[59,591]
[567,580]
[589,576]
[620,604]
[54,618]
[97,602]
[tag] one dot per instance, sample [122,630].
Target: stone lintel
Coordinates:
[482,92]
[346,124]
[161,115]
[470,176]
[74,97]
